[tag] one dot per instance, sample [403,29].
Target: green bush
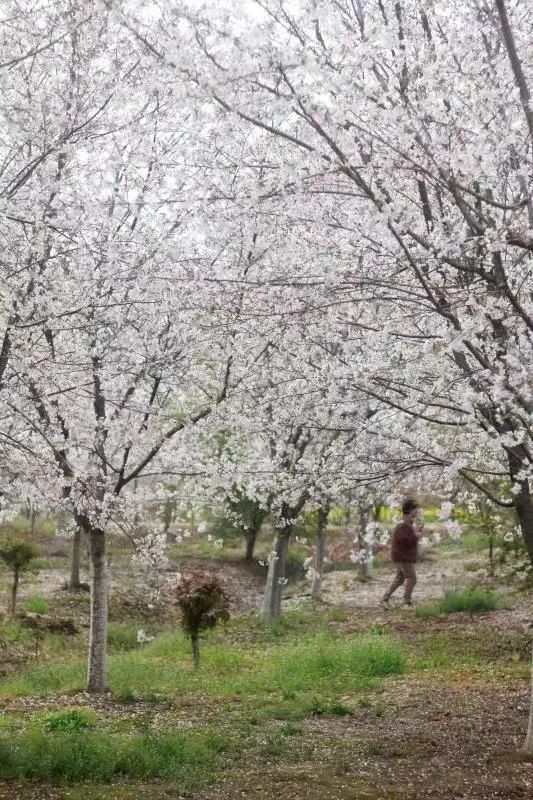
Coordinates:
[70,720]
[470,601]
[36,604]
[72,757]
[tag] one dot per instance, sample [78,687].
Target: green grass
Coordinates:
[71,757]
[316,663]
[13,632]
[122,636]
[350,662]
[45,678]
[36,604]
[470,601]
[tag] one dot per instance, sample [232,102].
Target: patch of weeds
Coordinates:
[373,748]
[122,636]
[290,729]
[429,610]
[327,708]
[7,722]
[337,614]
[72,757]
[288,694]
[377,630]
[13,632]
[274,746]
[36,604]
[352,661]
[42,679]
[70,720]
[470,601]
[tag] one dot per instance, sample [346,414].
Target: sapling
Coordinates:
[18,557]
[203,602]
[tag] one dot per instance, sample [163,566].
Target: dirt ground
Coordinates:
[423,736]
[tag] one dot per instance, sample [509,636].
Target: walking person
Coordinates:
[404,553]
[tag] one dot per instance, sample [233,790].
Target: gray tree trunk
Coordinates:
[528,744]
[75,559]
[276,574]
[365,566]
[96,671]
[320,553]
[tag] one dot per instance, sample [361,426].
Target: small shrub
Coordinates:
[18,556]
[70,720]
[36,604]
[203,603]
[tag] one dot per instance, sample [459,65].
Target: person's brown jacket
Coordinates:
[404,544]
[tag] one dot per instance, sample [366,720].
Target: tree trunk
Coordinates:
[168,518]
[250,536]
[365,565]
[323,514]
[528,744]
[276,574]
[14,589]
[491,554]
[195,649]
[96,672]
[524,511]
[75,558]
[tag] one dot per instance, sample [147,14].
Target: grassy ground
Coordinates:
[343,702]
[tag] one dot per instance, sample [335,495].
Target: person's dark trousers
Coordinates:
[406,574]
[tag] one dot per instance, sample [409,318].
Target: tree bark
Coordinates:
[316,588]
[528,744]
[75,559]
[96,670]
[524,512]
[14,589]
[276,574]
